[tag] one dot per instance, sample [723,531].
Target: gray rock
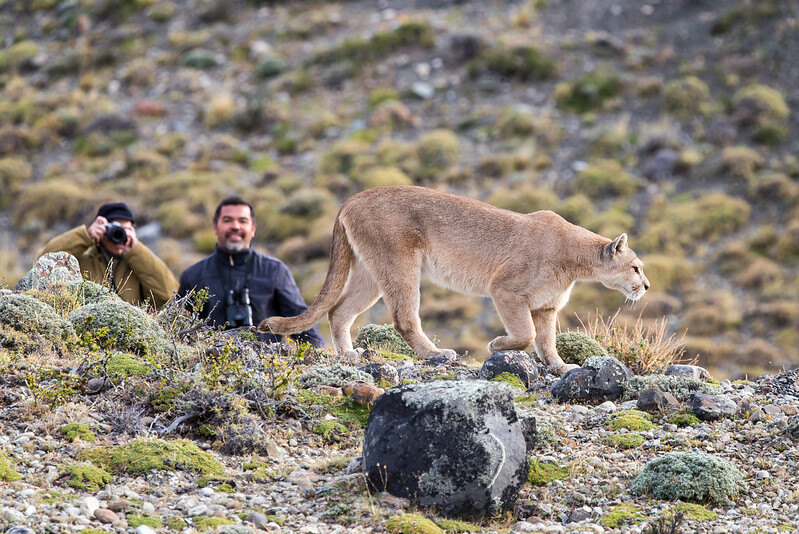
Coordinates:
[20,530]
[654,401]
[457,446]
[711,407]
[598,380]
[258,520]
[516,362]
[661,165]
[96,385]
[51,269]
[423,90]
[144,529]
[381,373]
[688,371]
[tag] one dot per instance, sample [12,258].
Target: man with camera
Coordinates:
[245,286]
[109,253]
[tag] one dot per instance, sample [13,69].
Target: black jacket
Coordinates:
[272,290]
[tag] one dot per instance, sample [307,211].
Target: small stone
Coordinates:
[257,520]
[206,492]
[654,400]
[386,500]
[328,390]
[198,510]
[688,371]
[789,409]
[104,515]
[148,508]
[606,407]
[96,385]
[711,407]
[88,505]
[144,529]
[119,505]
[20,530]
[423,90]
[362,393]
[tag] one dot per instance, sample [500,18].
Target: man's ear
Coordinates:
[617,245]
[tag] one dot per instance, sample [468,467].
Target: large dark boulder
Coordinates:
[599,379]
[711,407]
[515,362]
[456,446]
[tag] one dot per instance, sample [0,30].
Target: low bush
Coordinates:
[588,93]
[382,337]
[605,177]
[686,96]
[576,347]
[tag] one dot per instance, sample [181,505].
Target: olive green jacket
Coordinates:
[138,276]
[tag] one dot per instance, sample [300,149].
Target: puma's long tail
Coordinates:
[341,255]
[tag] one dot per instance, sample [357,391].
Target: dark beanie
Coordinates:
[116,210]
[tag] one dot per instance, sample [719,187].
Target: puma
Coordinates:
[526,263]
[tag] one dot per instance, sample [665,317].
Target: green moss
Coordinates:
[136,520]
[207,523]
[510,379]
[411,524]
[345,410]
[587,93]
[697,512]
[331,430]
[17,54]
[176,523]
[542,473]
[576,347]
[606,177]
[622,514]
[686,96]
[690,476]
[143,455]
[120,366]
[78,431]
[226,488]
[626,440]
[87,477]
[54,497]
[164,399]
[526,401]
[409,34]
[683,419]
[380,95]
[382,338]
[7,473]
[630,420]
[453,526]
[523,63]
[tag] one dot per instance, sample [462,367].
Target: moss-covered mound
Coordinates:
[412,524]
[335,375]
[87,477]
[690,476]
[382,337]
[31,316]
[143,455]
[116,324]
[7,472]
[78,431]
[576,347]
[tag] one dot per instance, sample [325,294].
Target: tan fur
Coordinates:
[527,264]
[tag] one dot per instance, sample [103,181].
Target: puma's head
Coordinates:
[622,270]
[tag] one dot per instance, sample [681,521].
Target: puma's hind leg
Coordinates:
[360,294]
[399,283]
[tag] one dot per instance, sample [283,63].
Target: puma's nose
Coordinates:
[646,285]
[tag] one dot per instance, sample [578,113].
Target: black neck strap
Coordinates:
[227,281]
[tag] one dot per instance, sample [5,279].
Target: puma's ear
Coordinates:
[616,245]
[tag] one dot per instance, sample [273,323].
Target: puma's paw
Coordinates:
[562,368]
[441,357]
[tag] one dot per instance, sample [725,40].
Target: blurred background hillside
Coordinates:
[674,121]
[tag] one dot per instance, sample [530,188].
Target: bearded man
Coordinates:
[245,286]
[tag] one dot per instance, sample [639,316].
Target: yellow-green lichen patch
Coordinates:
[542,473]
[121,366]
[345,410]
[526,401]
[176,523]
[697,512]
[412,524]
[78,431]
[627,440]
[257,470]
[331,431]
[7,473]
[136,520]
[682,419]
[143,455]
[87,477]
[622,514]
[510,379]
[631,420]
[209,523]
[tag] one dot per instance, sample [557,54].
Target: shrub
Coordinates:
[624,441]
[605,177]
[382,337]
[525,199]
[741,161]
[523,63]
[201,59]
[349,156]
[18,54]
[437,152]
[514,123]
[644,349]
[14,171]
[269,66]
[334,375]
[409,34]
[331,431]
[542,473]
[381,176]
[690,476]
[221,109]
[52,202]
[578,209]
[760,104]
[587,93]
[116,324]
[143,455]
[679,386]
[686,96]
[770,134]
[576,347]
[788,243]
[28,315]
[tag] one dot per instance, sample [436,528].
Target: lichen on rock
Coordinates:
[31,316]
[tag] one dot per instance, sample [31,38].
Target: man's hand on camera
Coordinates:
[97,228]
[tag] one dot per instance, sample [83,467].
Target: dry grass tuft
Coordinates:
[644,349]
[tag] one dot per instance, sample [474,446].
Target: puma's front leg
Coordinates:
[545,340]
[515,315]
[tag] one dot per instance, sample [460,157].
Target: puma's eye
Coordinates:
[636,270]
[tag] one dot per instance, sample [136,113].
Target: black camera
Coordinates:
[116,233]
[237,309]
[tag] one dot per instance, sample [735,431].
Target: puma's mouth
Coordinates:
[635,293]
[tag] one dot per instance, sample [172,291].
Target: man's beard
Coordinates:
[234,246]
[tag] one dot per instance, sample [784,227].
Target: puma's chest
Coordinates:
[551,297]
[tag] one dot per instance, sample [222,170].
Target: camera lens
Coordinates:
[116,233]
